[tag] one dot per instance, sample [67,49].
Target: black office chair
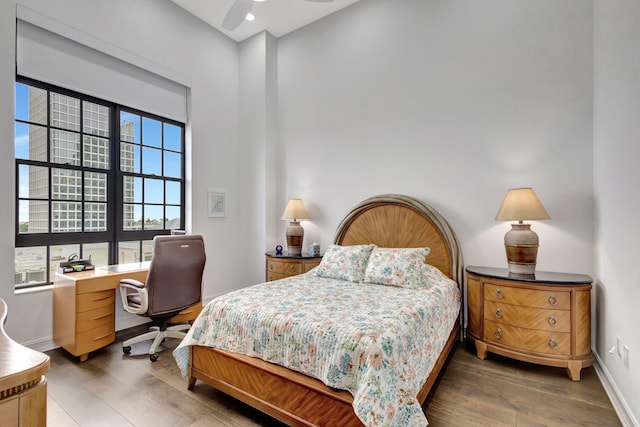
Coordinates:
[174,283]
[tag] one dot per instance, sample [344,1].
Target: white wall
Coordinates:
[164,34]
[617,179]
[452,102]
[258,145]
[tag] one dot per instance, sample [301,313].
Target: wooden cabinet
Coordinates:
[544,319]
[84,317]
[281,266]
[23,386]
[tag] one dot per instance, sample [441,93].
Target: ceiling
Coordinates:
[278,17]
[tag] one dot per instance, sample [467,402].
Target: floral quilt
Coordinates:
[378,342]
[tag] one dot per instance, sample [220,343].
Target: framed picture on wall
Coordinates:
[217,204]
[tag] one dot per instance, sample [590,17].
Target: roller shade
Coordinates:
[52,58]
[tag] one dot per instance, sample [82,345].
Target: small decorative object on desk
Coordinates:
[279,250]
[73,263]
[314,249]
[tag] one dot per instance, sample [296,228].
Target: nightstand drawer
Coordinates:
[276,276]
[284,267]
[558,300]
[558,343]
[310,265]
[528,317]
[281,266]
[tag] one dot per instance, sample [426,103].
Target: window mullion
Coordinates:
[71,156]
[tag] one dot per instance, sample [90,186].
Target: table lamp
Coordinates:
[521,243]
[294,212]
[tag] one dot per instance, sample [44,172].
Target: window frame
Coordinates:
[114,233]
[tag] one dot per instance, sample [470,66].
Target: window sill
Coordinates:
[45,288]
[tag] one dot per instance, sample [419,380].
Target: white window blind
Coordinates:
[56,59]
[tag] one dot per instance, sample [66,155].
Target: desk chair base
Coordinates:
[158,336]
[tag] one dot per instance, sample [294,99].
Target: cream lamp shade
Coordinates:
[521,243]
[295,212]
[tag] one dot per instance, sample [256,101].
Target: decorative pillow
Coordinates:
[396,267]
[345,262]
[432,275]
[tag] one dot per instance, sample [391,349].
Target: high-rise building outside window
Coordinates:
[93,178]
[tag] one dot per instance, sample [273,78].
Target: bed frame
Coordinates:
[388,221]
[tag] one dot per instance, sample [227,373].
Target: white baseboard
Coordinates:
[42,345]
[617,400]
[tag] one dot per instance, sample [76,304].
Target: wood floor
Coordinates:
[111,389]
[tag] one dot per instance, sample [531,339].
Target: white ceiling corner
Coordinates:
[278,17]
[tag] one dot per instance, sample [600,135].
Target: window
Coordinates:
[93,178]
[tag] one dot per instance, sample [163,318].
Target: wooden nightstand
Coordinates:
[281,266]
[544,319]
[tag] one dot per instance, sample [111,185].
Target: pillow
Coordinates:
[432,275]
[396,267]
[345,262]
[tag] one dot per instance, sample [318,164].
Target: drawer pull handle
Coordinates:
[499,294]
[292,268]
[102,317]
[553,321]
[553,343]
[270,266]
[101,299]
[270,277]
[102,337]
[498,312]
[553,300]
[498,334]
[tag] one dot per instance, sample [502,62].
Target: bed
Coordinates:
[381,222]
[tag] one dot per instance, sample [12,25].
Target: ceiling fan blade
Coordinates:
[236,14]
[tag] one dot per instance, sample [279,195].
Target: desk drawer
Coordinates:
[94,339]
[93,300]
[95,318]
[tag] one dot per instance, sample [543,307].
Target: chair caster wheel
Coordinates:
[126,350]
[153,357]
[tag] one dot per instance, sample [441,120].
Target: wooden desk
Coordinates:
[84,307]
[23,386]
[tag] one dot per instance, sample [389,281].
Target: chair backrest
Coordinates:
[174,281]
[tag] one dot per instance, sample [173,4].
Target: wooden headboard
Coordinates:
[396,221]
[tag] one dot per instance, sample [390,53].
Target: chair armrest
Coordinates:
[131,283]
[138,288]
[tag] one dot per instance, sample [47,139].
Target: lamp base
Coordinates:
[521,246]
[295,236]
[522,269]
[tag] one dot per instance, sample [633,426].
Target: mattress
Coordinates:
[376,341]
